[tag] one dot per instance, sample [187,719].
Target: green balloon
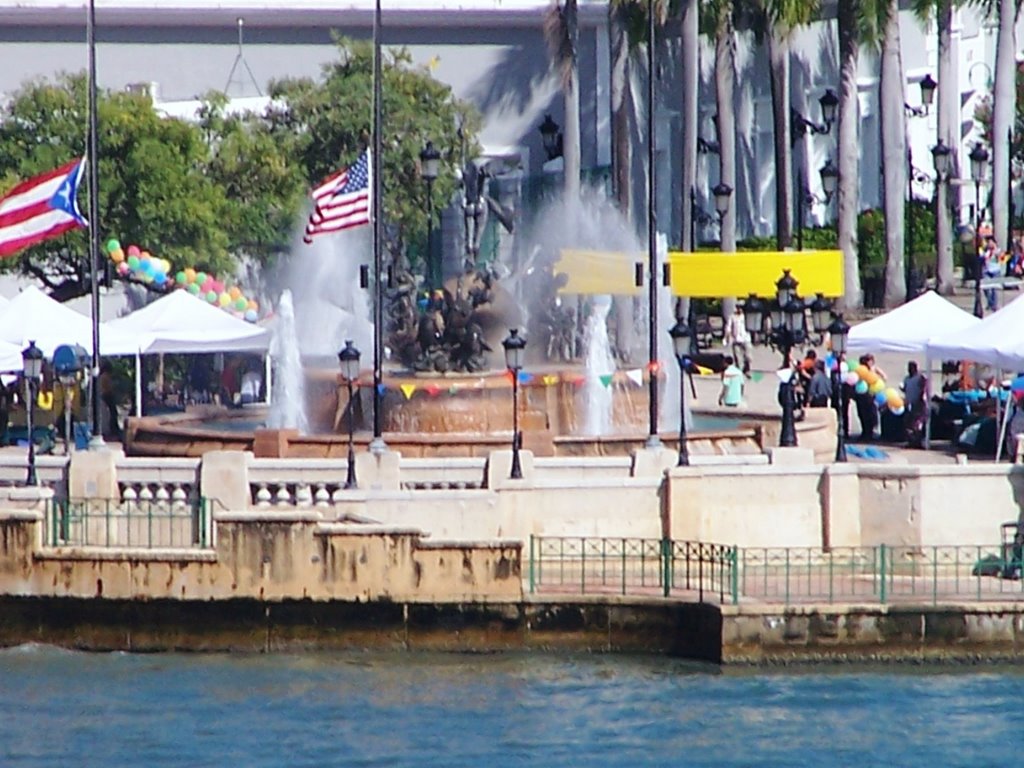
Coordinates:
[200,277]
[241,304]
[133,263]
[211,297]
[113,245]
[180,277]
[193,288]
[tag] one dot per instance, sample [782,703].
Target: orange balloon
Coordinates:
[117,255]
[234,293]
[190,275]
[253,305]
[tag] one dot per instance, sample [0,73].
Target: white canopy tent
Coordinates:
[909,328]
[34,316]
[997,340]
[181,323]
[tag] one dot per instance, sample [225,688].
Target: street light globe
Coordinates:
[928,86]
[348,360]
[979,161]
[785,288]
[514,345]
[839,332]
[680,333]
[753,314]
[430,161]
[821,311]
[941,155]
[829,104]
[722,193]
[549,131]
[32,362]
[829,178]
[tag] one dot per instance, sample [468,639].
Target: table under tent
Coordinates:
[180,323]
[996,340]
[909,329]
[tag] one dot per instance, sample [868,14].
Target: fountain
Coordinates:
[445,391]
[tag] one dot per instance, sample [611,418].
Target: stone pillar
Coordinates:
[499,467]
[224,478]
[652,462]
[683,504]
[378,471]
[93,475]
[840,506]
[790,456]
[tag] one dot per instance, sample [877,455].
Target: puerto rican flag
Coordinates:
[42,207]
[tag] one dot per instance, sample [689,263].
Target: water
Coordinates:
[60,708]
[288,404]
[598,362]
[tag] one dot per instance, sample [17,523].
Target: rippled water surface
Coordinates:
[60,708]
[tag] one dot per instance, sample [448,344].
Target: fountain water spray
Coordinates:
[599,365]
[288,408]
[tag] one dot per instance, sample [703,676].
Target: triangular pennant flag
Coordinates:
[578,380]
[453,389]
[525,378]
[432,389]
[381,389]
[606,380]
[407,390]
[653,367]
[756,376]
[549,379]
[636,376]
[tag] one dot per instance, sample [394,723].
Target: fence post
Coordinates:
[881,568]
[583,565]
[532,551]
[666,570]
[624,566]
[735,587]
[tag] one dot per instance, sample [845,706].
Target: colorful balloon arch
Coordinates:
[143,267]
[864,380]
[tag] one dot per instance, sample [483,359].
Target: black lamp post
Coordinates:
[67,367]
[348,360]
[514,345]
[430,160]
[680,334]
[551,136]
[838,332]
[722,193]
[979,160]
[829,179]
[821,314]
[928,87]
[753,317]
[32,371]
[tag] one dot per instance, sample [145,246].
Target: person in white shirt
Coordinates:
[252,382]
[738,337]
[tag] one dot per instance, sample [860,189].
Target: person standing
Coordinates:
[732,385]
[738,337]
[819,391]
[108,396]
[915,393]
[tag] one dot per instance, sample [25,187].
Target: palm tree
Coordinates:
[621,103]
[947,118]
[779,19]
[893,124]
[561,30]
[690,64]
[1004,106]
[847,187]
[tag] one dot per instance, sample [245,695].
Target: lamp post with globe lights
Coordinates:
[348,361]
[515,345]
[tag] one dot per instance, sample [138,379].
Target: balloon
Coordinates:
[117,256]
[250,315]
[879,398]
[207,287]
[861,370]
[878,386]
[861,387]
[165,265]
[253,305]
[851,378]
[211,296]
[193,288]
[146,266]
[218,286]
[201,278]
[872,378]
[241,304]
[113,245]
[190,275]
[844,367]
[234,293]
[897,411]
[133,250]
[160,278]
[122,269]
[224,299]
[133,263]
[180,278]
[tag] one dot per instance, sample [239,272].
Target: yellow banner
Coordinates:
[599,272]
[712,275]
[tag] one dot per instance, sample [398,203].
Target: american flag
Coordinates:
[342,201]
[42,207]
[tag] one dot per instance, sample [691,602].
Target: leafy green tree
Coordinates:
[152,187]
[327,124]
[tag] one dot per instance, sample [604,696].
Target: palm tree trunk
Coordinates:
[689,45]
[847,190]
[571,137]
[1004,104]
[725,77]
[622,155]
[894,155]
[948,107]
[778,55]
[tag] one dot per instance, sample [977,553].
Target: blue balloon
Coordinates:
[250,315]
[880,398]
[160,278]
[860,387]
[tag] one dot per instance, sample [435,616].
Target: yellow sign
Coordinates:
[712,275]
[599,272]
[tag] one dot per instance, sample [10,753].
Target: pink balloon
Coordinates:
[134,250]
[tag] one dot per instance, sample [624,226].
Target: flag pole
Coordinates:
[96,438]
[377,445]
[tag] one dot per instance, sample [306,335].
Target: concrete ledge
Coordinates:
[355,529]
[121,555]
[463,544]
[30,515]
[291,515]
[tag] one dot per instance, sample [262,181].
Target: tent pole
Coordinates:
[1002,434]
[999,408]
[268,377]
[138,384]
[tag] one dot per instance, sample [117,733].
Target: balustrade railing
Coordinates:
[165,523]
